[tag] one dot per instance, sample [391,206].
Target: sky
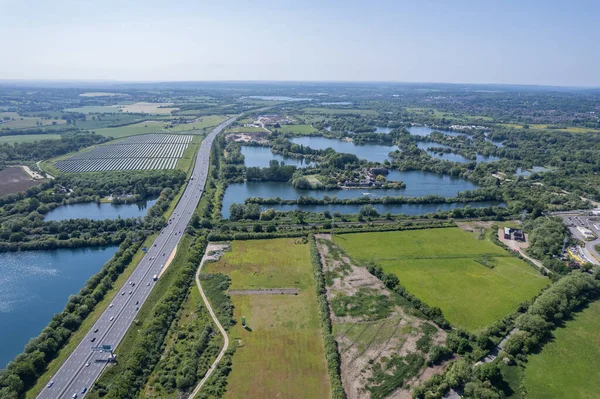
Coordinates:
[541,42]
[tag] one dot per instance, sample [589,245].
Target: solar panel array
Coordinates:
[150,151]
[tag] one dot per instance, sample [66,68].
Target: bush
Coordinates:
[331,351]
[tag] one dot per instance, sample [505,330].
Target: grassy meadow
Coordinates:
[441,267]
[28,138]
[302,129]
[282,353]
[566,366]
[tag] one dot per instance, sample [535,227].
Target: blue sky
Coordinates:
[472,41]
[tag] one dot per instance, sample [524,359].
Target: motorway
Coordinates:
[78,373]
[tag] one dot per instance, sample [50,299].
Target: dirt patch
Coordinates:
[476,227]
[169,260]
[266,291]
[247,137]
[365,344]
[14,180]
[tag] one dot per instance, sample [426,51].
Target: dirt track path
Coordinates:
[206,257]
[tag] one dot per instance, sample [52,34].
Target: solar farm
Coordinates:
[149,151]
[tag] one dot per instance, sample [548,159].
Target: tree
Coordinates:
[236,212]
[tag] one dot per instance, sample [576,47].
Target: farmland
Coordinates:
[148,108]
[444,268]
[15,179]
[96,109]
[566,366]
[156,151]
[133,129]
[17,121]
[28,138]
[342,111]
[281,354]
[162,126]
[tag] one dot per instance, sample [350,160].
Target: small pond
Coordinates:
[528,172]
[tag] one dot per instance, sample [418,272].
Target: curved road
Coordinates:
[214,317]
[84,365]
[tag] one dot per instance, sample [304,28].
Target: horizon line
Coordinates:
[116,81]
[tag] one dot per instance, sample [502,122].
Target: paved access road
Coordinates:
[84,366]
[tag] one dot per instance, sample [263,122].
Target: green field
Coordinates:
[245,129]
[204,122]
[156,126]
[570,129]
[282,355]
[25,122]
[28,138]
[96,109]
[566,366]
[302,129]
[440,266]
[342,111]
[133,129]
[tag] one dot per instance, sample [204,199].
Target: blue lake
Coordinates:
[425,131]
[260,156]
[99,211]
[424,145]
[36,285]
[418,184]
[370,152]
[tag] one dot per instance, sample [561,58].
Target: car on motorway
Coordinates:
[74,395]
[50,384]
[87,365]
[93,339]
[137,302]
[130,292]
[112,318]
[110,306]
[84,390]
[95,331]
[123,293]
[137,308]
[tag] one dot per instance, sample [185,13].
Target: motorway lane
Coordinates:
[84,366]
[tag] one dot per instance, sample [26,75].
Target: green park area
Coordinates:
[473,281]
[281,352]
